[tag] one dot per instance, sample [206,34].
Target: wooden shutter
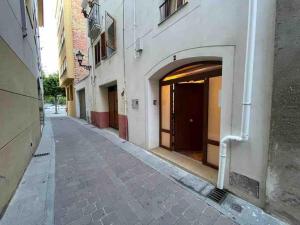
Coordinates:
[97,53]
[103,46]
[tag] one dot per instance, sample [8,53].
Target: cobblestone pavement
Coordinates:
[97,183]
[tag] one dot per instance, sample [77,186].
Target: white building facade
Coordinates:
[158,63]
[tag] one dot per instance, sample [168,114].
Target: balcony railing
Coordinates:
[94,21]
[168,7]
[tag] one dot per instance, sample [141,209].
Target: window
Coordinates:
[29,9]
[107,40]
[168,7]
[97,53]
[103,46]
[110,30]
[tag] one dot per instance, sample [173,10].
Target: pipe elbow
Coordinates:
[232,138]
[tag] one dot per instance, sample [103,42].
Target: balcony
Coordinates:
[94,18]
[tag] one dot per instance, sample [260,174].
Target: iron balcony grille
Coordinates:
[94,21]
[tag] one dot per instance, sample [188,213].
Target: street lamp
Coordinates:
[79,57]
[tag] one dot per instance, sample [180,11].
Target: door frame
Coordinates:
[199,76]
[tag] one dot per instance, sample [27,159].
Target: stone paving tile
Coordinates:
[97,183]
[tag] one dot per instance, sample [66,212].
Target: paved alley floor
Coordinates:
[97,182]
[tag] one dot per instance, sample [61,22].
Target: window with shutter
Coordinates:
[110,30]
[169,7]
[97,53]
[103,46]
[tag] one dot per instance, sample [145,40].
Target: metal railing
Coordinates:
[94,21]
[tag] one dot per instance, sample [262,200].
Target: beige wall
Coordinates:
[19,118]
[214,118]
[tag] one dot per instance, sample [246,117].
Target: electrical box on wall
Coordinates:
[138,45]
[135,103]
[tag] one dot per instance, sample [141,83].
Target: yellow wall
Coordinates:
[67,52]
[19,121]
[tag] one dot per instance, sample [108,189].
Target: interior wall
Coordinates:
[214,118]
[165,105]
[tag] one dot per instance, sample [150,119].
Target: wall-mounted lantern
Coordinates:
[79,57]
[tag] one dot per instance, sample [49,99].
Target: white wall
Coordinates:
[207,29]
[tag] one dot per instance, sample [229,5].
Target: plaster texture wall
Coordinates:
[283,193]
[19,103]
[203,30]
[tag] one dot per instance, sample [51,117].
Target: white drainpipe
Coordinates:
[247,94]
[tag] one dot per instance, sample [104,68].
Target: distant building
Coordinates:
[21,112]
[71,33]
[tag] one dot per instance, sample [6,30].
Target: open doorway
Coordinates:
[82,104]
[190,112]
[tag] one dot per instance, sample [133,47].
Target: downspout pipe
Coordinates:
[247,94]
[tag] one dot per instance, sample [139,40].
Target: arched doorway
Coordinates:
[190,111]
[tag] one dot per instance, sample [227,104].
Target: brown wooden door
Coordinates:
[113,107]
[188,116]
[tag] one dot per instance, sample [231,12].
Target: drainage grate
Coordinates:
[42,154]
[217,195]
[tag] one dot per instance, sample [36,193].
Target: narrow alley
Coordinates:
[99,183]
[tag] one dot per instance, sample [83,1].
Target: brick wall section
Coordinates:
[80,39]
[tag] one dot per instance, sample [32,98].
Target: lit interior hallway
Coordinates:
[96,182]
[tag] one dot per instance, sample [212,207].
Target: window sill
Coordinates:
[109,56]
[163,20]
